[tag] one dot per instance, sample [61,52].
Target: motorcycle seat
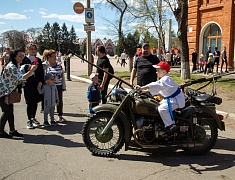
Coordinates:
[202,97]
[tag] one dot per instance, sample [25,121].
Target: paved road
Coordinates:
[59,152]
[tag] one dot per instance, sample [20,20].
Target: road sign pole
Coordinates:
[88,49]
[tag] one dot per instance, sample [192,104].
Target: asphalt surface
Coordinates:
[58,152]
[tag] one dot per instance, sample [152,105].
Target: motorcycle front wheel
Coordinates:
[206,133]
[103,145]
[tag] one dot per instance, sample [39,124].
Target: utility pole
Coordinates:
[88,49]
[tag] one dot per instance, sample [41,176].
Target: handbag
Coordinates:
[14,97]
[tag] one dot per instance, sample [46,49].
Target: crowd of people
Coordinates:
[210,61]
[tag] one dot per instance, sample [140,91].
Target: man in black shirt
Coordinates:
[103,78]
[146,73]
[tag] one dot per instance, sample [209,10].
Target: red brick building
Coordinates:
[212,23]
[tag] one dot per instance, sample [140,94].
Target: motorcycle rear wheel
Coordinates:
[106,145]
[207,134]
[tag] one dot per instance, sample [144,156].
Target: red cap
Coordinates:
[163,65]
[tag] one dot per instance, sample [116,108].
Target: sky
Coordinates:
[24,14]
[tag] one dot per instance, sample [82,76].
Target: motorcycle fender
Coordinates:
[191,109]
[126,122]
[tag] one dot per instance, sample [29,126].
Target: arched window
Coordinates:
[212,37]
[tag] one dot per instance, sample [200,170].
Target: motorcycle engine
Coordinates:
[150,129]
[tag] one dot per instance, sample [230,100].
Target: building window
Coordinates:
[212,37]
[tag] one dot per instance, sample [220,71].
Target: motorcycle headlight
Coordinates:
[117,94]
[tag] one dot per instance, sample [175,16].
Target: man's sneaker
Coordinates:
[16,133]
[54,123]
[46,124]
[35,123]
[30,124]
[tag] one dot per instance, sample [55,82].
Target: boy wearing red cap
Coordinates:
[173,96]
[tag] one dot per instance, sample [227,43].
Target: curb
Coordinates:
[225,114]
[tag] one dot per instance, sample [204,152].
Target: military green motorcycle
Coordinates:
[134,115]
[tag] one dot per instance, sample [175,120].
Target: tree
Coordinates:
[72,40]
[33,33]
[55,36]
[15,39]
[121,7]
[152,15]
[64,39]
[180,10]
[132,41]
[2,41]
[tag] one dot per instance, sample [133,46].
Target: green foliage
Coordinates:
[132,41]
[57,38]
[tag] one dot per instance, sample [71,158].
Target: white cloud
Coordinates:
[2,23]
[28,10]
[42,9]
[12,16]
[67,17]
[42,13]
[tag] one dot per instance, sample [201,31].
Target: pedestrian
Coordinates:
[143,67]
[51,98]
[118,60]
[11,81]
[209,64]
[167,88]
[207,57]
[94,95]
[168,57]
[83,56]
[224,60]
[123,59]
[202,63]
[194,60]
[103,78]
[53,67]
[216,58]
[65,58]
[32,97]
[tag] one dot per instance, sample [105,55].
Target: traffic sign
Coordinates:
[78,8]
[89,15]
[89,27]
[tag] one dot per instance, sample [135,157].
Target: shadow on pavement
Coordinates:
[51,140]
[65,128]
[212,161]
[74,115]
